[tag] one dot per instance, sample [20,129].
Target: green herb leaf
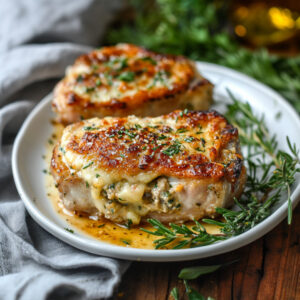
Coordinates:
[88,128]
[173,149]
[88,165]
[195,272]
[149,59]
[126,76]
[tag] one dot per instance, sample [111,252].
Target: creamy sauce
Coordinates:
[100,228]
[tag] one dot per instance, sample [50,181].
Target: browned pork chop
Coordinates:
[125,79]
[175,167]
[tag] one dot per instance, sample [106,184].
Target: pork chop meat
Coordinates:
[174,168]
[125,79]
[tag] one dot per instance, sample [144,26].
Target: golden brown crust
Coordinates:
[126,79]
[180,151]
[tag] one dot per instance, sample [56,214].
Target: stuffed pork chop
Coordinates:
[174,168]
[125,79]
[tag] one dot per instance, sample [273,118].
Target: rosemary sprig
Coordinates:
[271,173]
[269,169]
[182,236]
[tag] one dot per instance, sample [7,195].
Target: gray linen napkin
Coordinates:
[38,39]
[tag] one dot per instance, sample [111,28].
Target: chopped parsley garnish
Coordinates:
[155,148]
[144,148]
[161,137]
[119,63]
[203,141]
[89,89]
[130,134]
[87,128]
[128,224]
[98,82]
[108,78]
[87,184]
[181,130]
[100,226]
[62,150]
[199,149]
[95,67]
[184,112]
[69,230]
[189,139]
[173,149]
[137,126]
[111,186]
[88,165]
[79,78]
[126,76]
[123,64]
[150,60]
[97,175]
[50,142]
[125,242]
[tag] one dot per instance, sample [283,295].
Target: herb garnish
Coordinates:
[181,235]
[173,149]
[189,139]
[128,224]
[79,78]
[181,130]
[162,137]
[194,273]
[89,89]
[69,230]
[125,242]
[88,165]
[130,134]
[149,59]
[87,128]
[62,150]
[108,78]
[127,76]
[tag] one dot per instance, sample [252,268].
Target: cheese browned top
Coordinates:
[181,144]
[119,80]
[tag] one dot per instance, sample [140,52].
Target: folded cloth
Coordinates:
[38,39]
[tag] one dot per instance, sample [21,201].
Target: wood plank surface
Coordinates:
[268,268]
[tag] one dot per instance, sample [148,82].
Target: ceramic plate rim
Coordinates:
[105,249]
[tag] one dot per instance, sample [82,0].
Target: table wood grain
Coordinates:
[268,268]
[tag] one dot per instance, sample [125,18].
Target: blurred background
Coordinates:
[259,38]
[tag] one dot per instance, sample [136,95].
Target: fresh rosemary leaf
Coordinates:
[181,236]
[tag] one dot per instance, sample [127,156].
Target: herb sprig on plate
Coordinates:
[271,173]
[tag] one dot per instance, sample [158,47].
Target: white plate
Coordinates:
[30,143]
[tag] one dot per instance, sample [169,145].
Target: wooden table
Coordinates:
[268,268]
